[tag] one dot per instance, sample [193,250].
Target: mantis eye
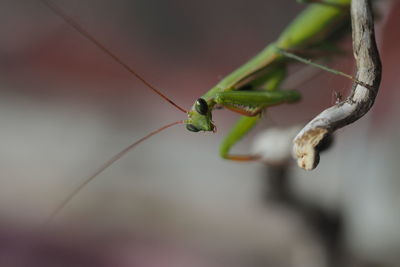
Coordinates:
[201,106]
[192,128]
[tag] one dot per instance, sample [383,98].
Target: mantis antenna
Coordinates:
[105,166]
[70,21]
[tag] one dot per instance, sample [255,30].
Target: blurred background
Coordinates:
[66,108]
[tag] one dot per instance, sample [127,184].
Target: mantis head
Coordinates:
[200,117]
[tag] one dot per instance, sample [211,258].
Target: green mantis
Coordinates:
[266,71]
[251,88]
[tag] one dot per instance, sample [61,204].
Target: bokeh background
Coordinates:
[66,107]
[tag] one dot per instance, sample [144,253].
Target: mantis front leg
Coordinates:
[251,103]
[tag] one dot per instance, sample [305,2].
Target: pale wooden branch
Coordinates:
[308,141]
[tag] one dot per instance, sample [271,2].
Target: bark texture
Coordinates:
[309,140]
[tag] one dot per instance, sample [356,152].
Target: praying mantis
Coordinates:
[250,89]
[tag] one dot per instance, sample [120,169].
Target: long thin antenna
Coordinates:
[70,21]
[105,166]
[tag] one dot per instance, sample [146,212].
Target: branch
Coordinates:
[309,140]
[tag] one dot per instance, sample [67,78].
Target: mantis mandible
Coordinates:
[251,88]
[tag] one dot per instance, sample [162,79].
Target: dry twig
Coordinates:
[309,140]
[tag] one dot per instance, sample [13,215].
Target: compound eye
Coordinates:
[201,106]
[192,128]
